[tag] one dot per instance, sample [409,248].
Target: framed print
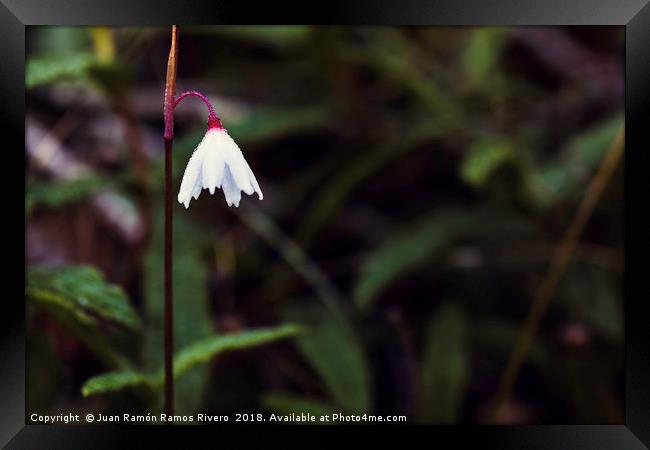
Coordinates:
[377,217]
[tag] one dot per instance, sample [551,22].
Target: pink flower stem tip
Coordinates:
[213,120]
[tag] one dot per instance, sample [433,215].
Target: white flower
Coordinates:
[218,162]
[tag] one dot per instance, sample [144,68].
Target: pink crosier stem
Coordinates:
[213,120]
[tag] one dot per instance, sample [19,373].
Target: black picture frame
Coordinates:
[634,15]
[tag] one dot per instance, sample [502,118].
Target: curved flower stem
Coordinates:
[213,120]
[170,89]
[196,94]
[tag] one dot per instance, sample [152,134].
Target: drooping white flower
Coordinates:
[218,162]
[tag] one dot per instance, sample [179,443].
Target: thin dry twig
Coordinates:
[562,257]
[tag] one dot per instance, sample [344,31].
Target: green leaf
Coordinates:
[282,403]
[334,351]
[61,193]
[116,381]
[483,159]
[396,256]
[48,69]
[413,246]
[480,58]
[82,291]
[113,77]
[194,355]
[569,172]
[202,351]
[445,367]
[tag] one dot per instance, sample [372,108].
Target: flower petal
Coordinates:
[191,175]
[198,186]
[238,166]
[255,184]
[213,163]
[230,188]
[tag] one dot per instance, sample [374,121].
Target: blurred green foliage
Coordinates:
[79,299]
[54,68]
[445,367]
[266,124]
[481,58]
[577,159]
[196,354]
[418,245]
[332,348]
[59,194]
[416,182]
[483,159]
[116,381]
[276,36]
[287,404]
[191,321]
[83,292]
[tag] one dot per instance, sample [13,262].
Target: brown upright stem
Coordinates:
[170,92]
[169,304]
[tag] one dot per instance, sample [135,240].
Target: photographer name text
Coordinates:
[69,418]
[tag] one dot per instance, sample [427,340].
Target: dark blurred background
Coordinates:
[417,181]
